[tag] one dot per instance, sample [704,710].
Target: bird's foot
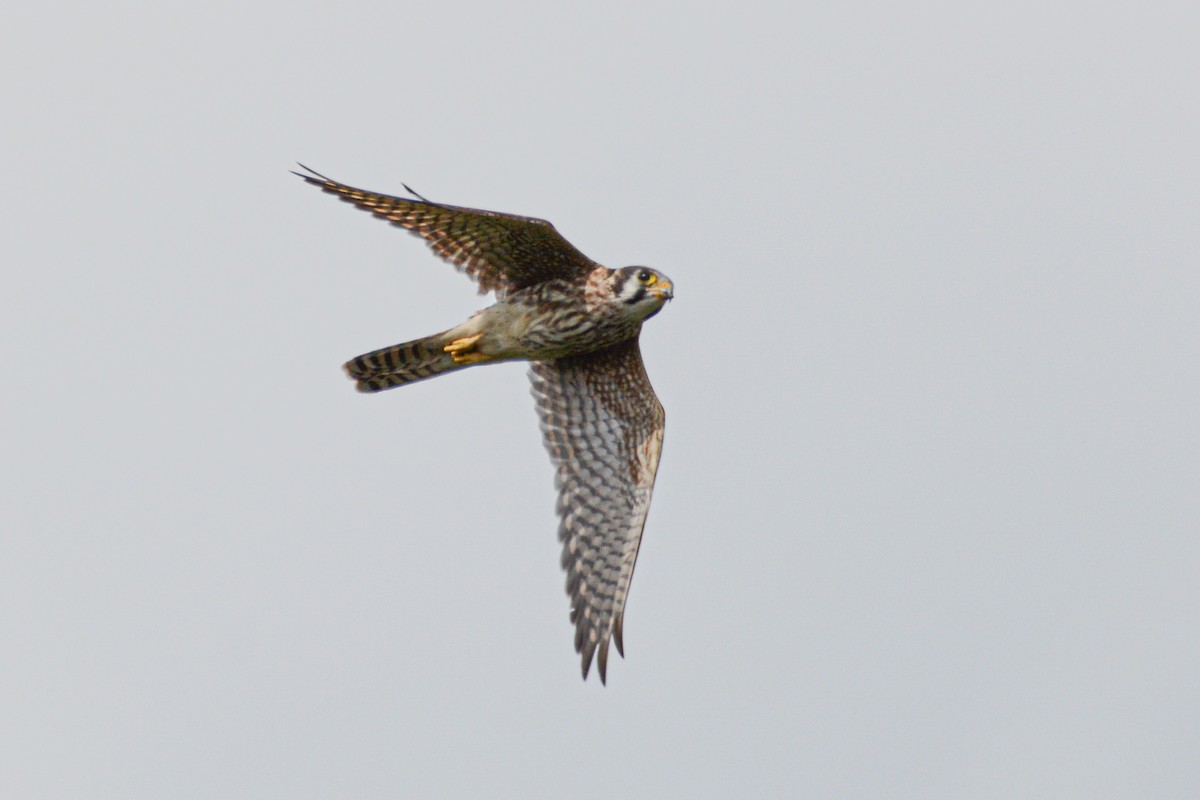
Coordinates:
[463,350]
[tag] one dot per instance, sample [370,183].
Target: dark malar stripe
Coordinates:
[619,283]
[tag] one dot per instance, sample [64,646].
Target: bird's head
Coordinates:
[642,291]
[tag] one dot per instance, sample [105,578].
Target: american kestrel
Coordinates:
[578,323]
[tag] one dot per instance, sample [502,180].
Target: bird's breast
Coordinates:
[540,330]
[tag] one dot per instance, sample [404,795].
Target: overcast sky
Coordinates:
[926,519]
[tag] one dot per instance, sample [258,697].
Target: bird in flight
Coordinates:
[577,323]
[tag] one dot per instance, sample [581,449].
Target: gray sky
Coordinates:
[926,521]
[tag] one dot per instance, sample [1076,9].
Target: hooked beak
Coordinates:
[664,290]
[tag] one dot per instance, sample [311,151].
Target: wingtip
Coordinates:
[415,193]
[589,653]
[586,651]
[602,662]
[318,179]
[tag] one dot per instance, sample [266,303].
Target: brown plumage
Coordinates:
[578,323]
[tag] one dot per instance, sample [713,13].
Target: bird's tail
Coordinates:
[402,363]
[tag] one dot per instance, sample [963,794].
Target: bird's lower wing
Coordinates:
[603,426]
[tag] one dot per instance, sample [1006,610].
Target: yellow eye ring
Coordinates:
[647,278]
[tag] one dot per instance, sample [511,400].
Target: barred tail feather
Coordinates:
[401,364]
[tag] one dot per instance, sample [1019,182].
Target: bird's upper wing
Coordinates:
[502,252]
[603,426]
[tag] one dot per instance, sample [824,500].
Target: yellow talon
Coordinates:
[463,350]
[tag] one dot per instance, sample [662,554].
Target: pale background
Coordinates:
[926,523]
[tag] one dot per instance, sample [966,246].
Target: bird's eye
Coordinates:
[646,277]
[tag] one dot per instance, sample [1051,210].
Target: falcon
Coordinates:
[578,323]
